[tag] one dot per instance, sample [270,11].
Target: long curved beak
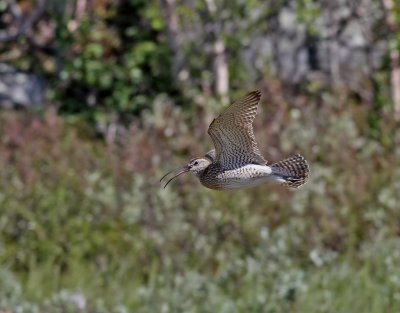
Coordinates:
[177,172]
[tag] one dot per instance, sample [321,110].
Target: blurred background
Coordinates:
[99,98]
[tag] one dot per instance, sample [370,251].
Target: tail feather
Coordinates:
[294,170]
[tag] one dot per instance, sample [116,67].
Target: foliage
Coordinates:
[113,63]
[84,224]
[87,222]
[109,60]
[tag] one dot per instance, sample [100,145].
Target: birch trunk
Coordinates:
[394,58]
[179,69]
[220,64]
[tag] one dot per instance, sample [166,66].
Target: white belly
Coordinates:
[246,176]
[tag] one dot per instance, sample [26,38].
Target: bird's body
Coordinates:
[236,161]
[246,176]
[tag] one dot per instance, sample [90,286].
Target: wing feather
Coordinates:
[232,133]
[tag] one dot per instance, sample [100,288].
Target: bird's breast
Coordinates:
[249,175]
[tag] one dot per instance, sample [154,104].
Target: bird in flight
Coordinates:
[236,161]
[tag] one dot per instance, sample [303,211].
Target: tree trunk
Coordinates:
[395,82]
[221,70]
[179,69]
[394,58]
[220,65]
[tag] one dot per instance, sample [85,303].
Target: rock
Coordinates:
[18,88]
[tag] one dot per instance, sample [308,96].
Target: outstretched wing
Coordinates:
[232,133]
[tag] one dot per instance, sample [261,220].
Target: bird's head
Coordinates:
[198,165]
[195,166]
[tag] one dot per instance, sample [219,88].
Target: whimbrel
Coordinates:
[236,161]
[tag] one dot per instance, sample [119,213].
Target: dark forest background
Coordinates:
[100,98]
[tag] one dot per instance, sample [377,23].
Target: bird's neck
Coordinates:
[203,171]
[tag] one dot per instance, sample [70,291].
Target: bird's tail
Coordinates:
[294,170]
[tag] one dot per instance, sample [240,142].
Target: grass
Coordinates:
[260,283]
[85,226]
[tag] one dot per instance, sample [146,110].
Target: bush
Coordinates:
[86,220]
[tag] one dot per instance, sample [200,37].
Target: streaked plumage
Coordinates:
[236,161]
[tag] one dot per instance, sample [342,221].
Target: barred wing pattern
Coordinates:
[232,133]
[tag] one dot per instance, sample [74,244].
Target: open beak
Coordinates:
[177,172]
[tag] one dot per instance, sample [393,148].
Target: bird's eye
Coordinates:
[195,163]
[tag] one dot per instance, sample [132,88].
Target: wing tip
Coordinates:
[253,96]
[252,99]
[255,92]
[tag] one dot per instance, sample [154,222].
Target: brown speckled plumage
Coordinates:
[232,133]
[236,161]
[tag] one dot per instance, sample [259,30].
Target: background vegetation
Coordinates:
[131,87]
